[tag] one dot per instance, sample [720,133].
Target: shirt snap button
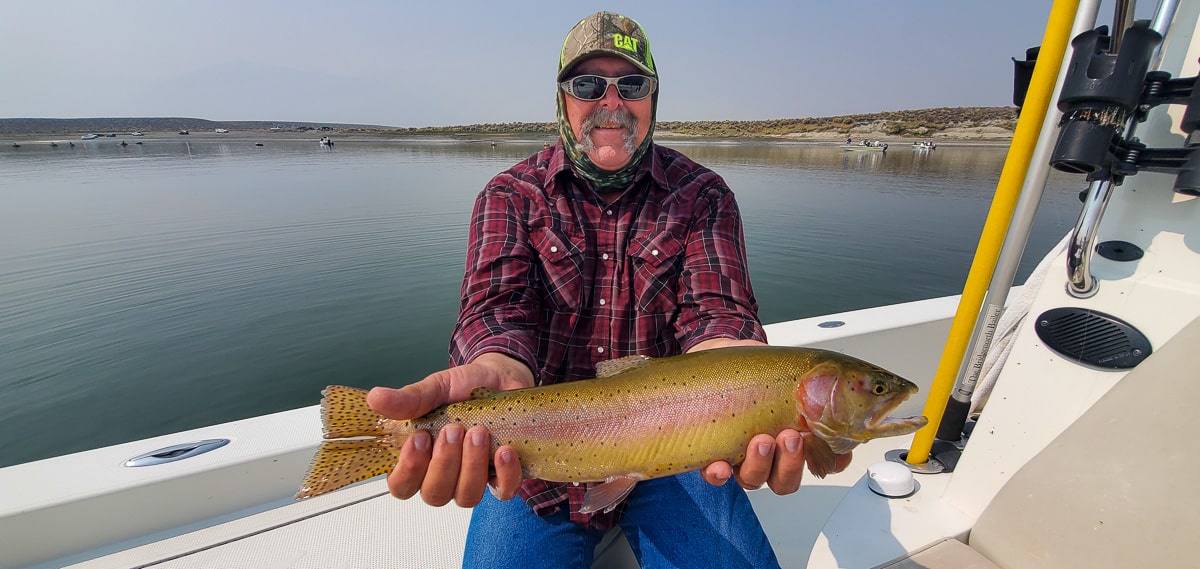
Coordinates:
[553,249]
[654,252]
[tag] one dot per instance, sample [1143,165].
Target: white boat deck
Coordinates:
[193,513]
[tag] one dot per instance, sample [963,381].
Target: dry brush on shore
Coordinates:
[940,122]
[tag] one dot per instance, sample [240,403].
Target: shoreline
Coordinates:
[992,137]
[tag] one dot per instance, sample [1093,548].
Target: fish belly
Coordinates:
[643,425]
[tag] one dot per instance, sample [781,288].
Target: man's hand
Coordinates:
[455,465]
[777,461]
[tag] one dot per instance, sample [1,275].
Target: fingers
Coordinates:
[717,473]
[405,480]
[788,468]
[760,456]
[473,476]
[455,468]
[508,474]
[441,480]
[777,462]
[411,400]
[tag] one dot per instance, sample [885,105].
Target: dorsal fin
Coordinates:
[481,392]
[619,365]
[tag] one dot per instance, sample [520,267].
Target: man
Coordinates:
[602,246]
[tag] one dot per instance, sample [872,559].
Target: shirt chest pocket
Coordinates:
[560,268]
[657,267]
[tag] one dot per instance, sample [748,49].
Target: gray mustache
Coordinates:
[621,116]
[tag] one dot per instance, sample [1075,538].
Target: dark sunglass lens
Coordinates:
[588,87]
[633,87]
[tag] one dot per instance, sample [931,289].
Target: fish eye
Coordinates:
[880,389]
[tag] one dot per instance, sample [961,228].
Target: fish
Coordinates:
[640,418]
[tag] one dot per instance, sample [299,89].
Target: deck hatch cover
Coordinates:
[1093,338]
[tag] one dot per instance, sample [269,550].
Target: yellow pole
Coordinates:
[1008,189]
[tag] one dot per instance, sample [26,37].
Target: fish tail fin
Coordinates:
[345,414]
[341,463]
[370,450]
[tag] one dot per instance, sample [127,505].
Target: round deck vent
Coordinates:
[1093,338]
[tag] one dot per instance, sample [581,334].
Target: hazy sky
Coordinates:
[445,62]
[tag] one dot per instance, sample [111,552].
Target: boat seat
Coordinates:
[1114,490]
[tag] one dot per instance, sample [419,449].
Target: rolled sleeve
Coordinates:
[716,299]
[498,309]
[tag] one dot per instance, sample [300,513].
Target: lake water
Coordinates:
[179,283]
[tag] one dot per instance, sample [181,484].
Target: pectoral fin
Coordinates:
[818,455]
[607,496]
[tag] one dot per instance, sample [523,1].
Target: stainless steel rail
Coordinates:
[1081,283]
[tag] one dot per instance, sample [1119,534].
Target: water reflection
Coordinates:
[187,281]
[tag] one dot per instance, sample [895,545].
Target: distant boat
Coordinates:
[867,145]
[326,141]
[924,145]
[89,136]
[184,132]
[137,133]
[258,144]
[221,130]
[15,145]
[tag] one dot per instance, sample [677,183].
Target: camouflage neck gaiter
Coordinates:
[604,180]
[609,34]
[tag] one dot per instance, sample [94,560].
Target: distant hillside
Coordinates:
[914,123]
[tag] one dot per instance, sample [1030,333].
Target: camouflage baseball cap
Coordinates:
[606,33]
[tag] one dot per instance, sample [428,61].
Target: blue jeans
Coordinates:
[679,521]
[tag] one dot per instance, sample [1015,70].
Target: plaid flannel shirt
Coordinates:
[561,280]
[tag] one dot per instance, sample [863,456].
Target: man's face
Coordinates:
[598,125]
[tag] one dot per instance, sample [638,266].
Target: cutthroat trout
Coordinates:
[640,418]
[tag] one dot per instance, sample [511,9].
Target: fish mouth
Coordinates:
[881,423]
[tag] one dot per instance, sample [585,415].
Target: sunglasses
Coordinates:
[593,87]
